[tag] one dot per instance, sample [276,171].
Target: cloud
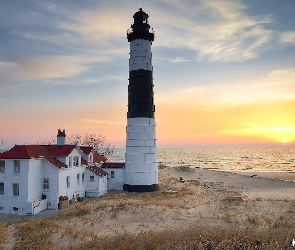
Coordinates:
[283,73]
[44,68]
[178,60]
[288,37]
[278,85]
[225,33]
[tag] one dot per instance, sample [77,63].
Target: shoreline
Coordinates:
[269,174]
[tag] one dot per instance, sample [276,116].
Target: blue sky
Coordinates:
[223,70]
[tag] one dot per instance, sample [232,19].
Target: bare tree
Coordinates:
[97,141]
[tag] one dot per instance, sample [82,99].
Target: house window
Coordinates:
[15,189]
[91,178]
[15,208]
[1,208]
[78,179]
[2,188]
[45,184]
[16,166]
[83,176]
[76,161]
[68,181]
[91,158]
[2,166]
[112,174]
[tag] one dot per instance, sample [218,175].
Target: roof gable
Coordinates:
[86,149]
[60,150]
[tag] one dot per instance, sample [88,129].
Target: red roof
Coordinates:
[84,162]
[37,151]
[113,165]
[99,158]
[98,171]
[60,150]
[86,149]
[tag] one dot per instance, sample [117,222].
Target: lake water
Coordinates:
[225,158]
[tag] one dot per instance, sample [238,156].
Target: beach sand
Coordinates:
[187,198]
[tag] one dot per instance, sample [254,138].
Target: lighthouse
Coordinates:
[141,167]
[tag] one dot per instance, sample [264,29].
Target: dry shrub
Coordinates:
[185,168]
[77,211]
[162,165]
[3,234]
[34,234]
[196,238]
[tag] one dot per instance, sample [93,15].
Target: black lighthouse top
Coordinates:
[140,29]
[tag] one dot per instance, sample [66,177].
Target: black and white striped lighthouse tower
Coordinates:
[141,167]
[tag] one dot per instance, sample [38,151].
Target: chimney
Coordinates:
[61,137]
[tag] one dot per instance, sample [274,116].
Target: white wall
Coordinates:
[8,201]
[75,188]
[117,182]
[52,173]
[97,187]
[141,152]
[140,55]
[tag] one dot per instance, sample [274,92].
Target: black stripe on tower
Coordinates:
[141,94]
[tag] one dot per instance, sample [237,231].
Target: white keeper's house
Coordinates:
[34,178]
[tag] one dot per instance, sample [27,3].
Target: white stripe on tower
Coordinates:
[141,167]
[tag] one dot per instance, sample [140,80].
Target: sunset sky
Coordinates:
[224,70]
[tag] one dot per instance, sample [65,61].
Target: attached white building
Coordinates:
[34,178]
[116,174]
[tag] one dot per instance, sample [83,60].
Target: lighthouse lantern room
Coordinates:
[141,167]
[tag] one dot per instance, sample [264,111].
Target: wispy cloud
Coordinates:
[288,37]
[278,85]
[178,60]
[225,33]
[44,68]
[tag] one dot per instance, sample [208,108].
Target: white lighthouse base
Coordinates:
[141,166]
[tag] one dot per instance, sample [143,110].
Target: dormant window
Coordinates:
[76,161]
